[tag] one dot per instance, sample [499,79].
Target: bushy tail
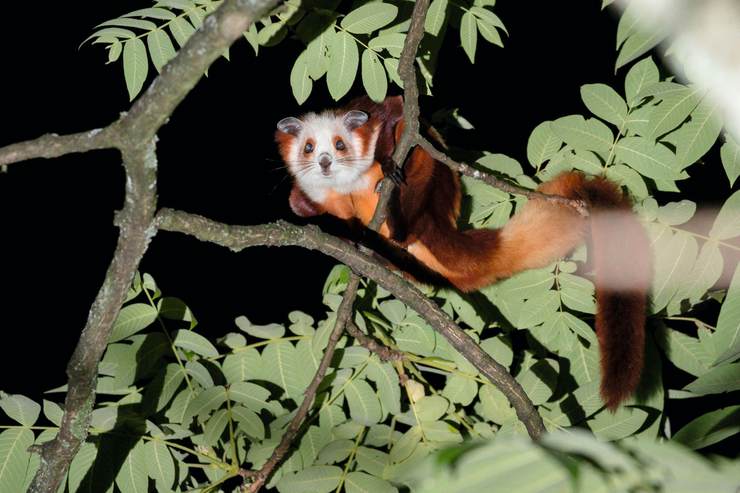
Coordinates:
[543,232]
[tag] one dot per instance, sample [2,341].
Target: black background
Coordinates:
[217,158]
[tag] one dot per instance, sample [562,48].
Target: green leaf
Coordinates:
[469,35]
[270,35]
[538,309]
[580,133]
[648,158]
[373,76]
[215,427]
[312,442]
[300,81]
[251,395]
[677,255]
[686,352]
[626,176]
[604,102]
[623,423]
[270,331]
[336,451]
[642,74]
[694,138]
[126,22]
[710,428]
[181,30]
[132,319]
[488,17]
[191,341]
[153,13]
[243,365]
[317,53]
[82,467]
[584,362]
[727,334]
[435,17]
[14,457]
[21,409]
[371,460]
[360,482]
[637,45]
[675,213]
[672,111]
[364,406]
[386,381]
[370,17]
[542,144]
[493,405]
[489,33]
[249,422]
[160,48]
[727,223]
[114,53]
[460,390]
[135,66]
[431,408]
[391,66]
[393,42]
[132,477]
[724,378]
[315,479]
[205,402]
[343,62]
[539,381]
[706,271]
[283,368]
[160,465]
[53,412]
[730,154]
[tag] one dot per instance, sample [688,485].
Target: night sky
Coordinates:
[217,158]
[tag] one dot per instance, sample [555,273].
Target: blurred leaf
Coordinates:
[727,223]
[360,482]
[727,334]
[636,45]
[730,154]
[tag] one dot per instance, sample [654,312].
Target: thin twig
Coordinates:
[384,352]
[491,180]
[343,314]
[285,234]
[53,145]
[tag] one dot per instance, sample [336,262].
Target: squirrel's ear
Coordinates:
[290,125]
[355,119]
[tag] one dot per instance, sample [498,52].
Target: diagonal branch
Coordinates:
[285,234]
[344,313]
[52,145]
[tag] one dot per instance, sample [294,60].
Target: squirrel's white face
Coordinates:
[327,151]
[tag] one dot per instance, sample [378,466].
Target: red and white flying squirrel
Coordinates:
[337,158]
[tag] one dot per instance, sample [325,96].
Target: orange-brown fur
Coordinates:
[423,220]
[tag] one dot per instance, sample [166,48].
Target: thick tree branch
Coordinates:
[285,234]
[135,135]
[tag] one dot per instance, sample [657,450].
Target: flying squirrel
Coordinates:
[337,158]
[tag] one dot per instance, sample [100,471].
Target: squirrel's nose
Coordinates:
[325,161]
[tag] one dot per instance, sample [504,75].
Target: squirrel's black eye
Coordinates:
[309,148]
[340,145]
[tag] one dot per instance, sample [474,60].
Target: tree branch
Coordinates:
[135,135]
[384,352]
[53,145]
[344,313]
[491,180]
[407,73]
[285,234]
